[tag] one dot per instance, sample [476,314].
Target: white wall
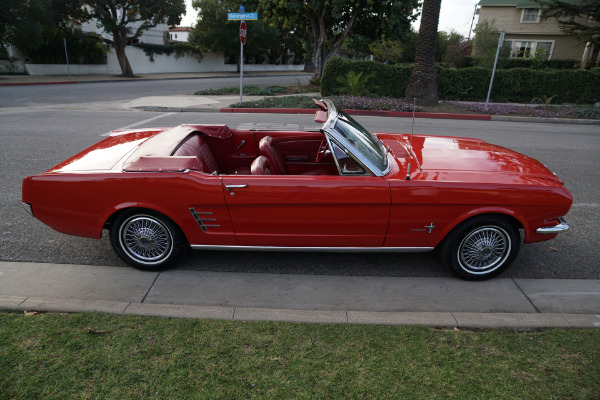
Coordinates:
[156,35]
[141,64]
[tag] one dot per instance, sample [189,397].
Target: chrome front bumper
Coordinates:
[563,226]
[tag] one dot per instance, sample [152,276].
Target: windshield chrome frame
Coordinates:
[329,130]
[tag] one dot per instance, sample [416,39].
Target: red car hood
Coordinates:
[449,154]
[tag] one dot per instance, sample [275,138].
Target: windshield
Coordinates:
[364,142]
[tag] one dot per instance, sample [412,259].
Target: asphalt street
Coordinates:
[32,140]
[20,96]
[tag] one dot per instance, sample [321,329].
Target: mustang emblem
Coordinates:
[429,228]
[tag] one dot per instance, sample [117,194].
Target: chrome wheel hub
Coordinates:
[484,249]
[146,239]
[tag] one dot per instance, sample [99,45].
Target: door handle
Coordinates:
[231,187]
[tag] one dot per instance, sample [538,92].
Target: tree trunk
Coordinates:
[308,61]
[126,69]
[422,85]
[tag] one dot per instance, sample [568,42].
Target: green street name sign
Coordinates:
[242,16]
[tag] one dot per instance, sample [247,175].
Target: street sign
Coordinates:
[243,32]
[242,16]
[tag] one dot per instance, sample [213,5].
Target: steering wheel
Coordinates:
[322,149]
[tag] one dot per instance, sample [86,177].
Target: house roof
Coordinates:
[509,3]
[180,29]
[517,3]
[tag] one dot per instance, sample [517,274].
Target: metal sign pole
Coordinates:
[241,71]
[500,41]
[67,57]
[242,16]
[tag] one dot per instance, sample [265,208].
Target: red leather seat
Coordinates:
[260,166]
[266,148]
[196,146]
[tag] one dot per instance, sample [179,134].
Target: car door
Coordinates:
[308,211]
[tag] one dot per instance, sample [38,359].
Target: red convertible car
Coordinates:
[341,188]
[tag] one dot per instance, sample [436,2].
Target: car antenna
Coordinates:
[412,131]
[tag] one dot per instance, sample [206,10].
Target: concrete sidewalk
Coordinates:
[23,80]
[439,302]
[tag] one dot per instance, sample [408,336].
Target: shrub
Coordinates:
[354,83]
[387,81]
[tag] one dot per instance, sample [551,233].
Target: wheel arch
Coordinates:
[508,215]
[119,210]
[484,255]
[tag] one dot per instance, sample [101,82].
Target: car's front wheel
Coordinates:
[147,240]
[481,247]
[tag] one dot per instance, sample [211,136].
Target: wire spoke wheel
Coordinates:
[484,249]
[146,239]
[481,247]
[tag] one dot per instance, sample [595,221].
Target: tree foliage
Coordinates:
[486,44]
[578,19]
[326,24]
[213,32]
[126,20]
[38,28]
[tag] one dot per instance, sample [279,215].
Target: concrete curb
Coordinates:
[118,79]
[370,113]
[458,320]
[39,83]
[511,118]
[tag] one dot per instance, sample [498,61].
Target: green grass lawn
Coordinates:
[64,356]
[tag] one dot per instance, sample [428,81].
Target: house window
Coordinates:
[527,49]
[595,53]
[543,50]
[530,15]
[522,49]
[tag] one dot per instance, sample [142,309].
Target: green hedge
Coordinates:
[509,63]
[511,85]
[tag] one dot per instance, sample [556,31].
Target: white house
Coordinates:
[179,34]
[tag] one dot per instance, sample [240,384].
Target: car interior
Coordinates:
[258,153]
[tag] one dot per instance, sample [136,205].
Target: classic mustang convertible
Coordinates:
[159,191]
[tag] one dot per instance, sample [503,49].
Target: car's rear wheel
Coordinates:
[147,240]
[481,247]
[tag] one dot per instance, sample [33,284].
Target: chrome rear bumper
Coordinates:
[28,208]
[563,226]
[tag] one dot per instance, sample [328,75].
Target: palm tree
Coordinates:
[423,81]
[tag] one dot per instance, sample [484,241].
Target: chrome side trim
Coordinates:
[201,221]
[563,226]
[316,249]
